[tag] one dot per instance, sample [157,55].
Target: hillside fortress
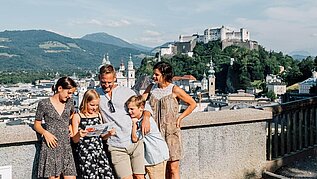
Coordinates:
[227,37]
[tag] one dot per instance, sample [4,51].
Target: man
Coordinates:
[127,157]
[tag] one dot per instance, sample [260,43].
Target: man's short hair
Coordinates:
[107,69]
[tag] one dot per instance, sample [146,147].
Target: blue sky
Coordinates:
[279,25]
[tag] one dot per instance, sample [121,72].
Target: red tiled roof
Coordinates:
[185,77]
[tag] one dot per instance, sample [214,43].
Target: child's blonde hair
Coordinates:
[89,95]
[137,100]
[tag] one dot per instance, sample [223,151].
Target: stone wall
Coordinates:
[18,146]
[222,144]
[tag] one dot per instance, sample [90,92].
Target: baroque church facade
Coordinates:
[125,76]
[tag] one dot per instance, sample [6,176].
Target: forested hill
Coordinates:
[44,50]
[249,68]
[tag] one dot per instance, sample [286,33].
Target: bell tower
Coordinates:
[130,73]
[211,79]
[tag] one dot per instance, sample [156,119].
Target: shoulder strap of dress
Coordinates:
[173,86]
[100,118]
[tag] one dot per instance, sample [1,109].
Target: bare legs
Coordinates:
[134,176]
[65,177]
[138,176]
[172,170]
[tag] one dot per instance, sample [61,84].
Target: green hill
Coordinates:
[109,39]
[43,50]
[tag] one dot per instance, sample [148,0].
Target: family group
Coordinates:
[144,138]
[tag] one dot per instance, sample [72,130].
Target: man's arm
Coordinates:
[134,135]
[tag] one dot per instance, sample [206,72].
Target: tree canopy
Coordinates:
[248,66]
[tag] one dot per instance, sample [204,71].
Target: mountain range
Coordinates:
[109,39]
[44,50]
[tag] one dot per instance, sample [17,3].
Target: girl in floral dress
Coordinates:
[92,160]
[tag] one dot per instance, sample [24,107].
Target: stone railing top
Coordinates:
[16,134]
[225,117]
[24,133]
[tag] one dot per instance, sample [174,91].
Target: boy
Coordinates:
[155,148]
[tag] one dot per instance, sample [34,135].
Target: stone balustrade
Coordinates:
[222,144]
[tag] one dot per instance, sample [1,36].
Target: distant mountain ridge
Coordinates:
[109,39]
[41,49]
[299,54]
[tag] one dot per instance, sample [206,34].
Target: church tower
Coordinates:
[105,61]
[122,67]
[130,73]
[211,80]
[204,83]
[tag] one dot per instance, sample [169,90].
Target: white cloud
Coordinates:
[95,22]
[85,22]
[107,23]
[117,23]
[151,41]
[279,35]
[303,15]
[151,33]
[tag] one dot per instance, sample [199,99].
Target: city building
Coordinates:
[241,99]
[225,34]
[273,79]
[304,86]
[168,49]
[277,88]
[274,83]
[184,81]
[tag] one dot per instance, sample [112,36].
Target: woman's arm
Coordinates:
[181,94]
[50,139]
[145,127]
[146,93]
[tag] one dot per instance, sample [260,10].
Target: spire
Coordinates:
[130,63]
[105,60]
[211,68]
[122,67]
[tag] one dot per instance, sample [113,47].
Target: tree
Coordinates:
[271,95]
[313,89]
[249,65]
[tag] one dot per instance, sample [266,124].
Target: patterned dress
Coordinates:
[55,161]
[165,109]
[92,159]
